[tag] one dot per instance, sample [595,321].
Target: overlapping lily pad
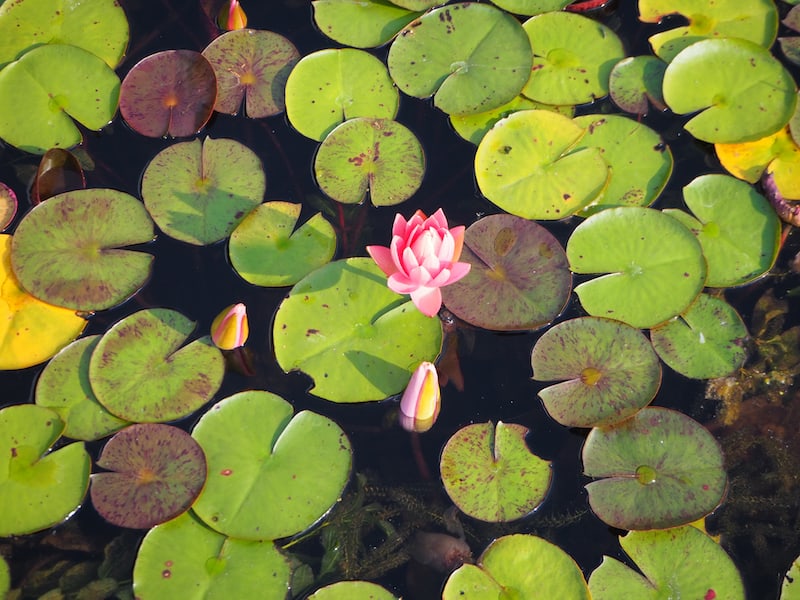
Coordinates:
[531,7]
[361,23]
[357,339]
[634,81]
[59,171]
[198,192]
[655,470]
[352,590]
[70,251]
[8,206]
[519,279]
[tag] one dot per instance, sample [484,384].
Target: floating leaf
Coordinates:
[266,249]
[5,578]
[59,171]
[361,23]
[352,590]
[531,7]
[270,474]
[8,206]
[635,80]
[197,192]
[69,250]
[416,4]
[519,279]
[790,589]
[489,473]
[657,469]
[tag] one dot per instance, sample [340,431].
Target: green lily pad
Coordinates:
[519,566]
[634,81]
[352,590]
[185,559]
[329,86]
[5,578]
[737,228]
[608,371]
[64,388]
[706,341]
[489,473]
[572,58]
[271,474]
[746,93]
[267,250]
[251,68]
[416,4]
[654,265]
[361,23]
[677,563]
[790,589]
[155,473]
[140,372]
[473,57]
[655,470]
[52,85]
[519,279]
[529,166]
[69,251]
[38,489]
[531,7]
[357,339]
[379,156]
[197,192]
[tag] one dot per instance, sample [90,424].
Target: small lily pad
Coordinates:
[655,470]
[361,23]
[8,206]
[489,473]
[531,7]
[352,590]
[267,250]
[634,81]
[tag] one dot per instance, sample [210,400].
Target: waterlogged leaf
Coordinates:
[682,562]
[361,23]
[268,249]
[634,81]
[531,7]
[38,489]
[169,93]
[654,266]
[489,473]
[519,279]
[153,473]
[608,371]
[357,339]
[52,85]
[746,93]
[352,590]
[69,251]
[197,192]
[378,156]
[528,165]
[8,206]
[59,171]
[706,341]
[183,558]
[140,372]
[655,470]
[472,56]
[251,68]
[271,473]
[328,87]
[572,58]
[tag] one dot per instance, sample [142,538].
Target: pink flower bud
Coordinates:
[230,328]
[232,16]
[420,403]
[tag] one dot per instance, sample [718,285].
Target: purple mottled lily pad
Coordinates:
[8,206]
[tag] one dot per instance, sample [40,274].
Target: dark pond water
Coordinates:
[496,367]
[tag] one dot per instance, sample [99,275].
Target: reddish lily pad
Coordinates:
[169,93]
[635,80]
[156,472]
[251,69]
[59,171]
[8,206]
[519,279]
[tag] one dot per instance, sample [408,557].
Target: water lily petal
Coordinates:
[458,271]
[383,258]
[458,241]
[428,300]
[437,219]
[230,328]
[421,400]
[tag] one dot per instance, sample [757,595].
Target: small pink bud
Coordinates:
[230,328]
[232,16]
[420,403]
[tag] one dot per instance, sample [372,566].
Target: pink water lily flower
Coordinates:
[422,257]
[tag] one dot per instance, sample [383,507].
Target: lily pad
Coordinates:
[473,57]
[183,558]
[608,371]
[169,93]
[59,171]
[655,470]
[634,81]
[531,7]
[519,279]
[682,562]
[489,473]
[197,192]
[69,251]
[416,4]
[706,341]
[790,589]
[361,23]
[271,474]
[379,156]
[654,265]
[251,68]
[5,577]
[8,206]
[328,87]
[267,250]
[746,93]
[356,338]
[38,489]
[140,372]
[352,590]
[528,164]
[572,58]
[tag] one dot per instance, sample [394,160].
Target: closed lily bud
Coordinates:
[230,329]
[420,403]
[231,16]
